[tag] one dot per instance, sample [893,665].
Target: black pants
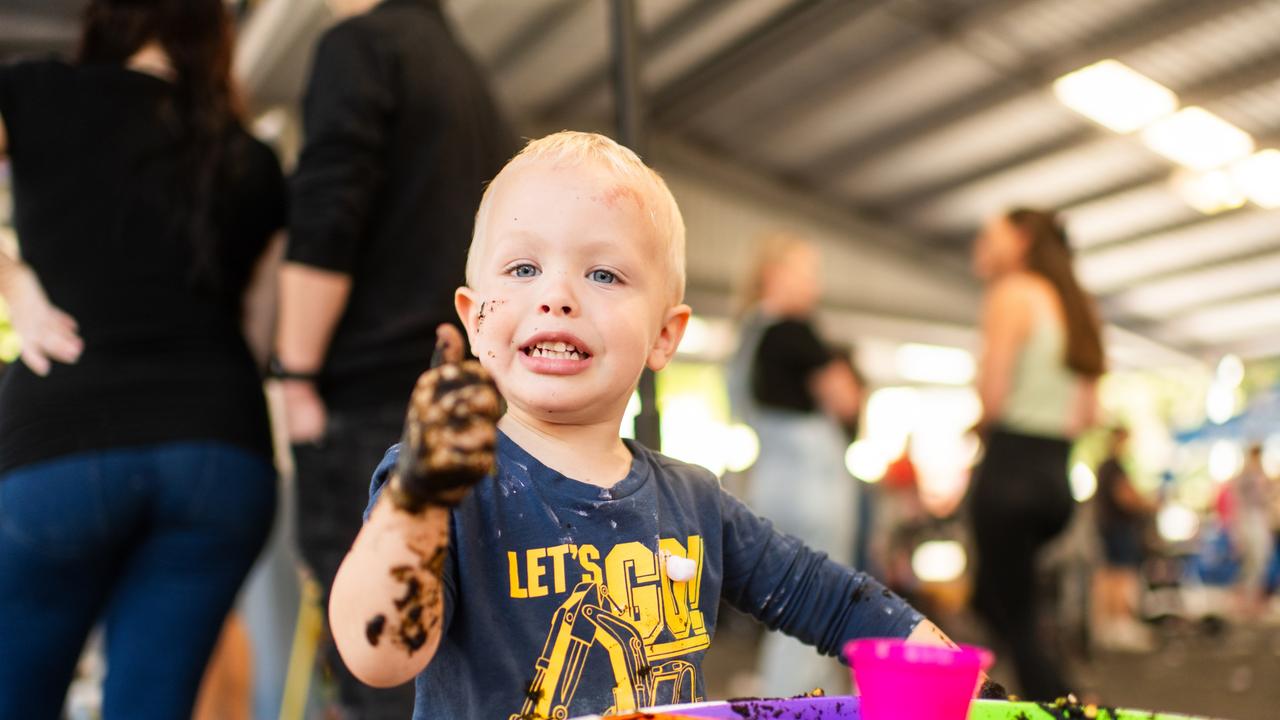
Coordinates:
[1021,500]
[332,491]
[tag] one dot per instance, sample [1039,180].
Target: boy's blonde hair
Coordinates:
[570,148]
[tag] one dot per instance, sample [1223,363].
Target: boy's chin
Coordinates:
[560,409]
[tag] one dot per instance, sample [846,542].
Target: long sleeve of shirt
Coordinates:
[402,136]
[347,112]
[793,588]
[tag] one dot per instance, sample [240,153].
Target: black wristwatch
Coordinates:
[277,370]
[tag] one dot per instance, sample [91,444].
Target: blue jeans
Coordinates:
[154,541]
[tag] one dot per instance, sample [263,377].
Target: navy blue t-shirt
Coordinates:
[558,601]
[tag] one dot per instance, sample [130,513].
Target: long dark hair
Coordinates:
[197,37]
[1049,255]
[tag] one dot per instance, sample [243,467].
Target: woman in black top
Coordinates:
[787,384]
[136,483]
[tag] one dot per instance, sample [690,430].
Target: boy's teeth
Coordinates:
[556,347]
[547,351]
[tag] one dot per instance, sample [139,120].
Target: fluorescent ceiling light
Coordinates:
[1209,192]
[1114,95]
[1258,177]
[1196,138]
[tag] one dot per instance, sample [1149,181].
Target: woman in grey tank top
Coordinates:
[1042,355]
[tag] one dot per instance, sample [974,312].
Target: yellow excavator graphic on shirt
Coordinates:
[590,618]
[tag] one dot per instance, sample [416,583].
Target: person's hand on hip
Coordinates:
[47,333]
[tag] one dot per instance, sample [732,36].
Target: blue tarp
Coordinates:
[1260,420]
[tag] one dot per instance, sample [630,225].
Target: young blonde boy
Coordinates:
[584,575]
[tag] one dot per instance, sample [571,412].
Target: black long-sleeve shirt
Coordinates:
[402,135]
[99,171]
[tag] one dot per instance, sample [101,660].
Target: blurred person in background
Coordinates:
[866,502]
[1122,515]
[1037,380]
[785,383]
[1273,573]
[1249,527]
[901,515]
[136,476]
[401,137]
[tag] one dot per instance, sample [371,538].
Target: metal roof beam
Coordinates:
[1134,32]
[937,20]
[1159,329]
[1213,89]
[785,33]
[1271,139]
[1119,187]
[1112,302]
[652,43]
[531,33]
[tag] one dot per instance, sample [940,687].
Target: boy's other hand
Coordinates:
[305,415]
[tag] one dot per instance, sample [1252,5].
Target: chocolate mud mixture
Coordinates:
[449,437]
[448,445]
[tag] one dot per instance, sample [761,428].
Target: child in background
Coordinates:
[584,573]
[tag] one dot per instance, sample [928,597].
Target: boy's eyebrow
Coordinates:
[603,243]
[522,237]
[528,239]
[520,232]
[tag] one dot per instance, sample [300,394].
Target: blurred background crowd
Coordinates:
[986,294]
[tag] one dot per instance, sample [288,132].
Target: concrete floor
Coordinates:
[1229,672]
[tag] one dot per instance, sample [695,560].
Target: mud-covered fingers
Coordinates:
[449,345]
[449,438]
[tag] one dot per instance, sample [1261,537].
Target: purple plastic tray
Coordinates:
[836,707]
[846,707]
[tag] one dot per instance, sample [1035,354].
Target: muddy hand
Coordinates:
[449,346]
[449,435]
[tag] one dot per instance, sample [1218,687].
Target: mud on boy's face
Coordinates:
[570,296]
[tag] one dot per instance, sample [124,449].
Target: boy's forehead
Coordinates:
[530,178]
[554,199]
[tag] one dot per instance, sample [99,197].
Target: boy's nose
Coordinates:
[557,309]
[558,297]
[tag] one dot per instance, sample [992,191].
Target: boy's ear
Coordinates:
[664,348]
[464,301]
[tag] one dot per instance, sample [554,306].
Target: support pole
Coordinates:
[630,114]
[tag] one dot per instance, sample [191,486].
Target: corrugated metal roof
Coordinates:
[917,117]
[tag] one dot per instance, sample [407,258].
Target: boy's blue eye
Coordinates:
[603,276]
[524,270]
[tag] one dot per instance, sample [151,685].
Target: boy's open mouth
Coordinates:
[555,350]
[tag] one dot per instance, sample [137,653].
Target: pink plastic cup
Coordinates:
[906,681]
